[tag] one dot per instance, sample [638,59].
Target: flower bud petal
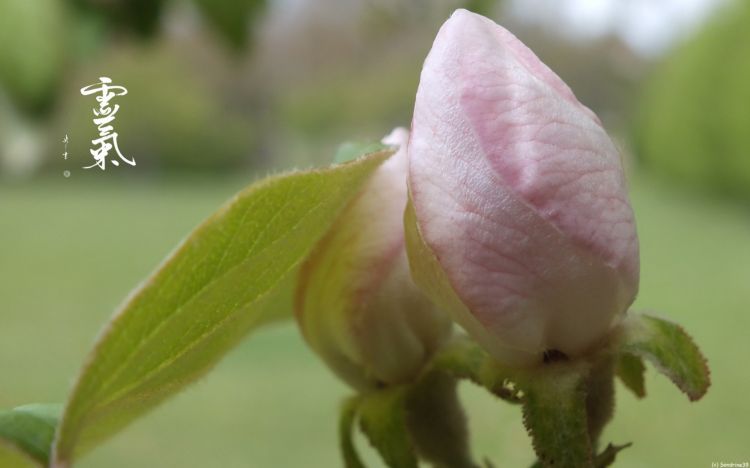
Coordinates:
[520,219]
[356,303]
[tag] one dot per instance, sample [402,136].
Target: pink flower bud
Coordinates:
[519,222]
[356,303]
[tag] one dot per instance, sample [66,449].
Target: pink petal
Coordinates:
[519,192]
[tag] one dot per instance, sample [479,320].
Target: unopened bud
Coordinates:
[356,303]
[519,221]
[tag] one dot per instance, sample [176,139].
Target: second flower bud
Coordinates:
[356,304]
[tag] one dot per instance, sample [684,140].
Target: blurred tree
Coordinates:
[33,49]
[35,37]
[694,121]
[232,18]
[483,7]
[140,16]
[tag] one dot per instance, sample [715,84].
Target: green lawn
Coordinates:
[70,250]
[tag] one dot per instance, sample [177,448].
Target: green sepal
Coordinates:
[422,419]
[608,455]
[603,460]
[599,386]
[669,349]
[382,417]
[463,358]
[437,422]
[30,430]
[630,370]
[347,421]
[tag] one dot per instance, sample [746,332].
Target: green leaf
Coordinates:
[216,287]
[554,412]
[630,370]
[12,457]
[346,427]
[231,18]
[29,429]
[351,150]
[383,420]
[673,353]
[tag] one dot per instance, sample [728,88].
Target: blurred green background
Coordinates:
[221,93]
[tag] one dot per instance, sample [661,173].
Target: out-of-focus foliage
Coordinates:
[695,117]
[38,37]
[140,16]
[333,104]
[310,81]
[33,49]
[483,7]
[170,120]
[231,17]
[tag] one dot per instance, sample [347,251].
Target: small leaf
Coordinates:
[215,288]
[673,353]
[383,420]
[608,455]
[30,429]
[630,370]
[346,426]
[351,150]
[554,412]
